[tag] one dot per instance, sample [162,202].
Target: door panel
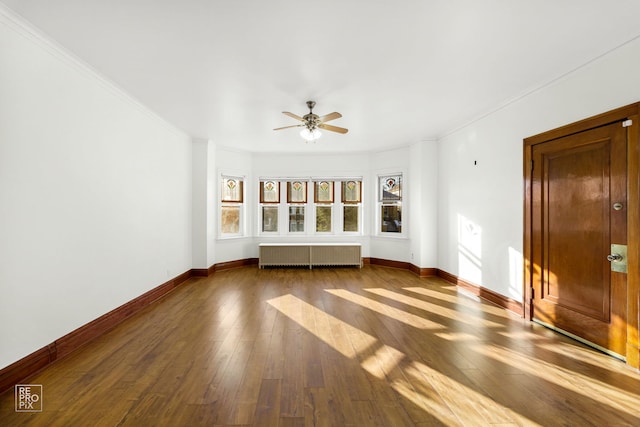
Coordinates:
[575,182]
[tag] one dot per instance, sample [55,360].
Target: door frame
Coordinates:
[629,112]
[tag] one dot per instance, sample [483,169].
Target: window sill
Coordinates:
[234,237]
[391,236]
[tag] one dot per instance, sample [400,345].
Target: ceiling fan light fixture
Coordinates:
[310,135]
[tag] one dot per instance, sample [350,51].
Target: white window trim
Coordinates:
[379,203]
[361,207]
[312,198]
[260,205]
[242,226]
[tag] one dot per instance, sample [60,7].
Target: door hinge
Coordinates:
[627,123]
[533,293]
[531,164]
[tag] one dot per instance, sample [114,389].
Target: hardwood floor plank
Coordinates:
[291,422]
[330,347]
[274,363]
[368,413]
[313,373]
[247,395]
[292,383]
[267,411]
[317,411]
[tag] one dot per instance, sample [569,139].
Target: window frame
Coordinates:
[329,202]
[292,203]
[351,203]
[384,200]
[285,202]
[237,202]
[269,203]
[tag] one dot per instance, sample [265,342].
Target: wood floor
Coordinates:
[330,347]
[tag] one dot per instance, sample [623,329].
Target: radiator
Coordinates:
[310,254]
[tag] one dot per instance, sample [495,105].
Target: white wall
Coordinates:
[202,199]
[423,198]
[95,195]
[480,206]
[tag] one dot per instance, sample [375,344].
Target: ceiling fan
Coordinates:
[312,123]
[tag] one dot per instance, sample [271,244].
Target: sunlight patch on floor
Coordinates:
[456,336]
[475,404]
[413,380]
[383,361]
[451,299]
[427,306]
[293,308]
[569,379]
[386,310]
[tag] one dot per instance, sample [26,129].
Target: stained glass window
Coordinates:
[231,209]
[269,192]
[324,191]
[390,188]
[297,192]
[336,205]
[231,190]
[351,192]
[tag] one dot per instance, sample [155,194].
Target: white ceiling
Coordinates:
[399,71]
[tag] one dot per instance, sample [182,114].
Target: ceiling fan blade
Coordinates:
[295,116]
[287,127]
[333,128]
[330,116]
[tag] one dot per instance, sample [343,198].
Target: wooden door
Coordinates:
[576,180]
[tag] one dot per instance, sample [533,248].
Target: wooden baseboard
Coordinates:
[424,272]
[484,293]
[205,272]
[201,272]
[36,361]
[421,272]
[27,366]
[389,263]
[234,264]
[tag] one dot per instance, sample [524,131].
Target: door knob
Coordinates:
[618,258]
[615,258]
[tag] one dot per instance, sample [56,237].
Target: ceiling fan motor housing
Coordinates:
[311,120]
